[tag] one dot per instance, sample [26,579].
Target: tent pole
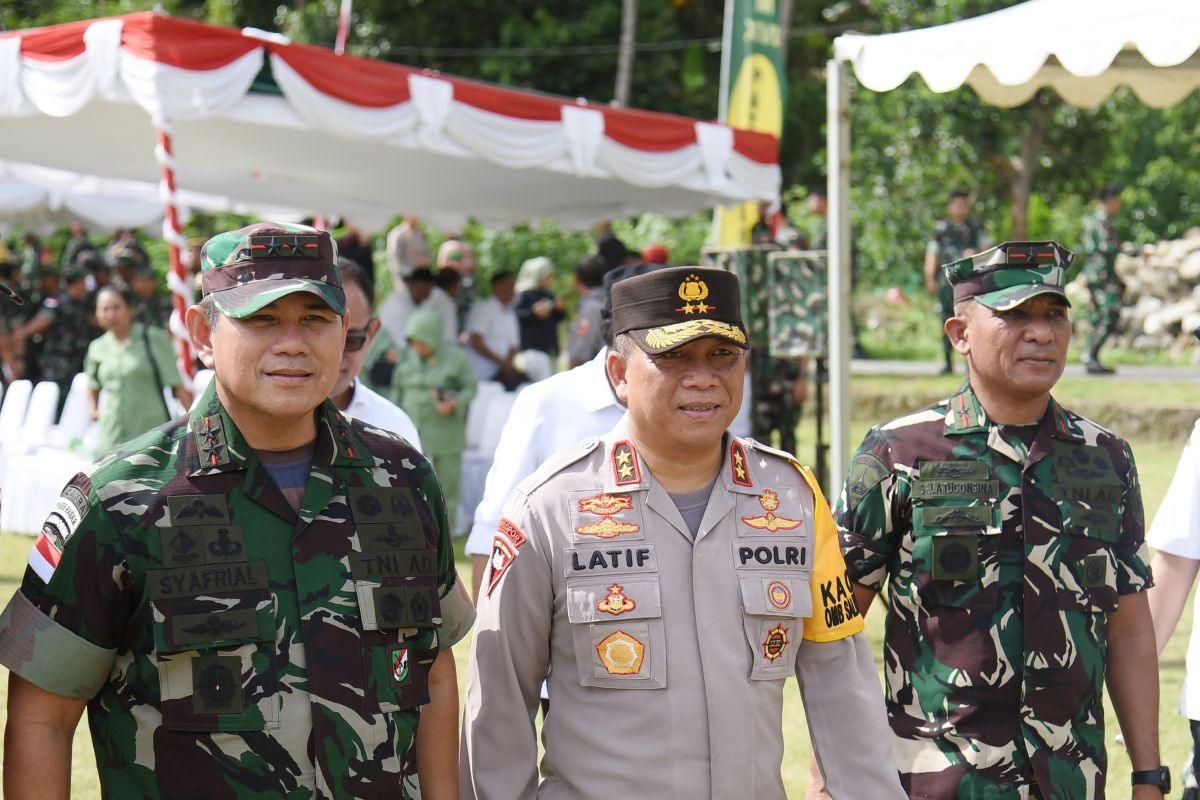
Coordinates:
[837,110]
[177,278]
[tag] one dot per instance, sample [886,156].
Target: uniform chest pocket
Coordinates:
[774,608]
[955,552]
[399,619]
[617,631]
[1082,561]
[217,661]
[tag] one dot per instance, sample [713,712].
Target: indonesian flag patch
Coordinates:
[64,519]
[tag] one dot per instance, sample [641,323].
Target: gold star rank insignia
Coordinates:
[625,466]
[737,457]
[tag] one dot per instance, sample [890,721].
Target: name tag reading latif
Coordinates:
[407,563]
[610,560]
[207,579]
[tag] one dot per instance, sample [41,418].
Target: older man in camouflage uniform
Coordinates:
[256,600]
[1100,248]
[1009,532]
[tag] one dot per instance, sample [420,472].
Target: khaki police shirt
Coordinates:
[667,658]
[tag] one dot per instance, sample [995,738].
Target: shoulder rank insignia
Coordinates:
[616,602]
[210,442]
[504,551]
[775,643]
[769,500]
[621,653]
[740,472]
[605,506]
[625,464]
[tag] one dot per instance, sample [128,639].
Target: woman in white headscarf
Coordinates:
[538,311]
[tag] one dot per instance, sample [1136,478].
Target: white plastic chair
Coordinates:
[536,365]
[43,409]
[12,412]
[74,419]
[477,411]
[498,409]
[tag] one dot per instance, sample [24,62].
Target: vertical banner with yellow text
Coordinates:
[752,91]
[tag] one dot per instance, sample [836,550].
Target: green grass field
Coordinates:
[1156,461]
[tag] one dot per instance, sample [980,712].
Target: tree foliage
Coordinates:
[911,147]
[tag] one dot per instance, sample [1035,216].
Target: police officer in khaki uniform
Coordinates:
[669,578]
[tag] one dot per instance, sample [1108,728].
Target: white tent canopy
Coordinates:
[262,121]
[43,199]
[1083,49]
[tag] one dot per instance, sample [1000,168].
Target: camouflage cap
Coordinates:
[1008,274]
[668,308]
[250,268]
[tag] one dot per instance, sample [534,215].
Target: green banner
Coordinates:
[752,87]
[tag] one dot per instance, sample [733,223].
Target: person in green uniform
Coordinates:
[132,363]
[65,323]
[1106,290]
[257,600]
[957,236]
[434,384]
[1008,531]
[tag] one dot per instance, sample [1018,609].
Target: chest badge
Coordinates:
[605,506]
[779,595]
[617,602]
[621,653]
[775,643]
[769,500]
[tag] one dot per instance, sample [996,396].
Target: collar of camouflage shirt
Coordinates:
[219,446]
[966,415]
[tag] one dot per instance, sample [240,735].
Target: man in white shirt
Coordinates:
[418,290]
[407,249]
[494,335]
[547,416]
[348,394]
[1175,537]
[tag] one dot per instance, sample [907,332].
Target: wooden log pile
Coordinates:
[1162,296]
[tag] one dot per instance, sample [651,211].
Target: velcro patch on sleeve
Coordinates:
[504,551]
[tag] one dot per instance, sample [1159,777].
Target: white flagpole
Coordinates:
[343,27]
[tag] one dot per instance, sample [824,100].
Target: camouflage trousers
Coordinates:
[773,406]
[1104,310]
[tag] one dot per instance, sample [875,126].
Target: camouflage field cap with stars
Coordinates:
[668,308]
[1008,274]
[250,268]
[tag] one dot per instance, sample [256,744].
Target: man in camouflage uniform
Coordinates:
[65,323]
[257,600]
[1009,533]
[1100,248]
[150,307]
[953,238]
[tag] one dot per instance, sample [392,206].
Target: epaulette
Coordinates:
[754,444]
[557,463]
